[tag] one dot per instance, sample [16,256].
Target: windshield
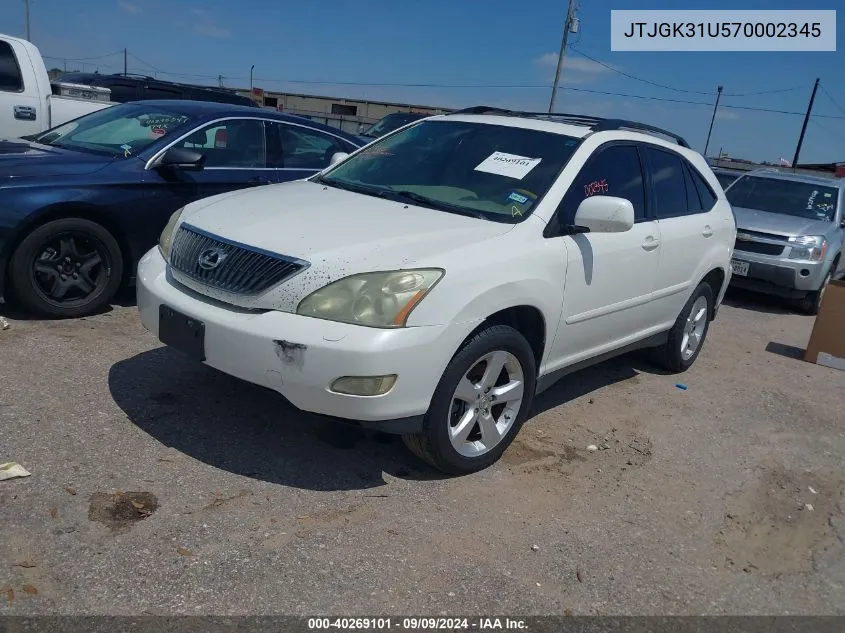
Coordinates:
[388,124]
[121,130]
[788,197]
[493,172]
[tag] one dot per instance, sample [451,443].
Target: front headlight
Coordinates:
[165,242]
[383,299]
[808,247]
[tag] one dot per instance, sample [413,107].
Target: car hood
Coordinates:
[337,230]
[25,159]
[778,223]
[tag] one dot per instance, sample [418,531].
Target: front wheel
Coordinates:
[812,301]
[480,403]
[66,268]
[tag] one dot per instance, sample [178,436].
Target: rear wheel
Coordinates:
[66,268]
[687,335]
[480,403]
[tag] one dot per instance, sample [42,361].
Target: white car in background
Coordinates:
[434,281]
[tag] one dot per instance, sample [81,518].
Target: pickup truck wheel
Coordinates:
[687,335]
[66,268]
[811,303]
[480,403]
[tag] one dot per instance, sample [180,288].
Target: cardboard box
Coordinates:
[827,342]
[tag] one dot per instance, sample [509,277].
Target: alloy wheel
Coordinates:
[486,403]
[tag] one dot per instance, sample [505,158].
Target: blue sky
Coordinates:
[445,42]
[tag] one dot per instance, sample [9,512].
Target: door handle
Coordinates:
[24,113]
[707,232]
[650,243]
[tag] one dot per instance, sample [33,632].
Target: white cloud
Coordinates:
[580,64]
[726,115]
[129,7]
[209,30]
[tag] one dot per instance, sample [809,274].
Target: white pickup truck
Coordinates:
[28,104]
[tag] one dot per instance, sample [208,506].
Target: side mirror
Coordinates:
[337,157]
[182,158]
[605,214]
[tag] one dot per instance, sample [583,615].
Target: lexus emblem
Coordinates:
[211,258]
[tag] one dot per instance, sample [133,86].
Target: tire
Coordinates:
[811,303]
[449,414]
[675,355]
[66,268]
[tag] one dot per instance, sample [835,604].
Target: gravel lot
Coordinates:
[724,498]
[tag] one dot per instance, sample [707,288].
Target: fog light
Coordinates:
[364,385]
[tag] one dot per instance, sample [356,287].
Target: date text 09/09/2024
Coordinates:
[417,624]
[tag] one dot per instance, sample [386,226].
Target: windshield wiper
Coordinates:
[431,203]
[331,182]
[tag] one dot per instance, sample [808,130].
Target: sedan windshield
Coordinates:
[788,197]
[493,172]
[121,130]
[389,123]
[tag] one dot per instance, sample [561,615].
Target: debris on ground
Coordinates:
[32,591]
[4,324]
[809,506]
[813,490]
[681,386]
[184,552]
[70,491]
[535,548]
[10,470]
[119,511]
[26,564]
[592,448]
[579,575]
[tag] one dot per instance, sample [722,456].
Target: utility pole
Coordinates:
[220,80]
[567,26]
[125,65]
[715,108]
[806,120]
[251,68]
[26,19]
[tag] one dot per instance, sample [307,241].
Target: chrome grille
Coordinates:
[239,269]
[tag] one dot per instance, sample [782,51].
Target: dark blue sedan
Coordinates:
[80,204]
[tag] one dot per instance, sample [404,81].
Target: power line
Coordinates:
[84,59]
[829,96]
[471,86]
[666,87]
[827,129]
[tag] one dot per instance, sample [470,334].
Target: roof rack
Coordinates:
[596,124]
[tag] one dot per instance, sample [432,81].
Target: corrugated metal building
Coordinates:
[350,115]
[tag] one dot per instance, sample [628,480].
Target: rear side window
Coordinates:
[613,171]
[11,79]
[670,189]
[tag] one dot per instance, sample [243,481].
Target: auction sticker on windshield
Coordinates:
[509,165]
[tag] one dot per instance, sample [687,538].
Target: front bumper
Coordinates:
[780,276]
[299,357]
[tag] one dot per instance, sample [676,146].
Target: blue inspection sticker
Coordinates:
[517,197]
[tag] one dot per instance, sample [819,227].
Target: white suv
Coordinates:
[434,281]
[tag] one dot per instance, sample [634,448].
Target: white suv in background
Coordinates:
[436,280]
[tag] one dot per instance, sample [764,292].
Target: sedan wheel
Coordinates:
[66,268]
